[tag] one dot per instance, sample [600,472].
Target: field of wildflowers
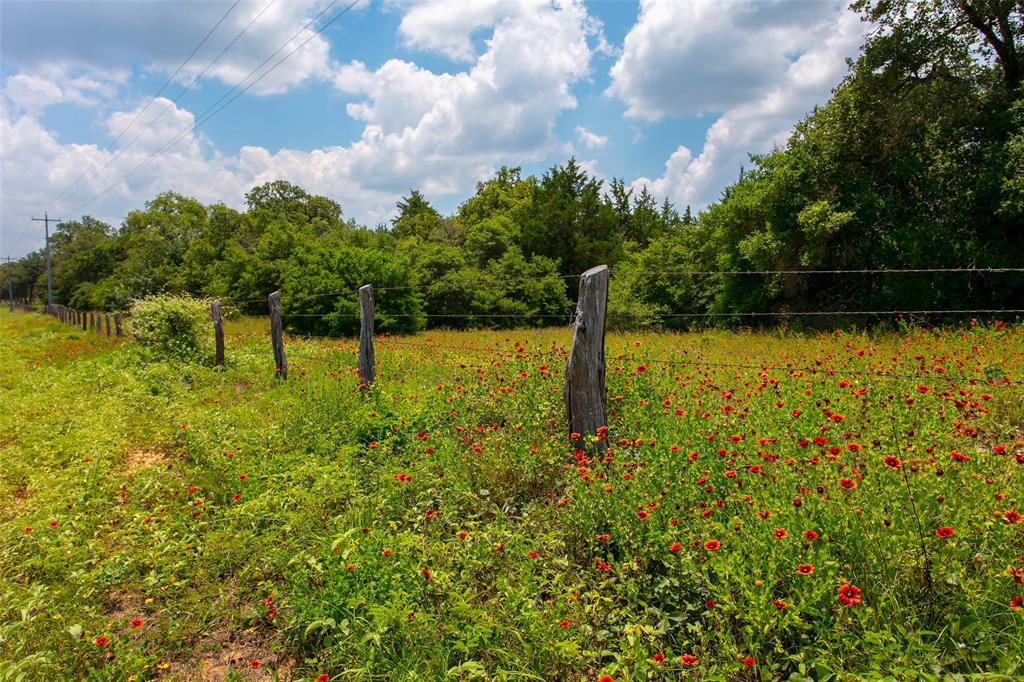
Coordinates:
[768,505]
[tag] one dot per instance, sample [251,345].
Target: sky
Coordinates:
[105,104]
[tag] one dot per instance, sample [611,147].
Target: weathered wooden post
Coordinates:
[117,323]
[585,372]
[277,336]
[218,332]
[107,318]
[98,328]
[367,364]
[85,320]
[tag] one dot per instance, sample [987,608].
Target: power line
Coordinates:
[213,112]
[153,99]
[865,271]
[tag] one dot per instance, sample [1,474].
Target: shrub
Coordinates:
[176,326]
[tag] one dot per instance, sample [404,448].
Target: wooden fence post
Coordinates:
[107,319]
[117,323]
[277,336]
[218,332]
[85,320]
[585,372]
[367,362]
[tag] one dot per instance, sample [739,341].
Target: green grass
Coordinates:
[541,566]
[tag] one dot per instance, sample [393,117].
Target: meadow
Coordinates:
[763,505]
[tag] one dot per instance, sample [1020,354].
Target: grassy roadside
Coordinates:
[191,522]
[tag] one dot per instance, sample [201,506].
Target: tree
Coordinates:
[416,218]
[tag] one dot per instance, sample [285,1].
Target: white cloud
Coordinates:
[590,139]
[438,132]
[694,58]
[103,36]
[35,90]
[442,131]
[763,117]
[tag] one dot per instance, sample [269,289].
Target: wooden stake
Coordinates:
[117,323]
[218,332]
[585,372]
[277,336]
[367,369]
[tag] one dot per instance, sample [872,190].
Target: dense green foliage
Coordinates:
[175,326]
[915,162]
[170,520]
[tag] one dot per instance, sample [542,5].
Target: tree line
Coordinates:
[915,162]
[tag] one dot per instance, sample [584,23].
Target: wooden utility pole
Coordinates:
[10,286]
[49,270]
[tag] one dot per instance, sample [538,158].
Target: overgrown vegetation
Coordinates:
[176,326]
[915,162]
[799,517]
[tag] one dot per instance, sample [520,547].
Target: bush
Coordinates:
[176,326]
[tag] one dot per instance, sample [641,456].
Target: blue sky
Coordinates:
[427,94]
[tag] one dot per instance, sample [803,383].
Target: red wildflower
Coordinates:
[102,640]
[1011,516]
[712,545]
[322,677]
[810,535]
[780,533]
[427,574]
[1017,603]
[533,555]
[386,551]
[959,457]
[674,547]
[847,483]
[892,461]
[689,659]
[255,663]
[849,595]
[945,532]
[658,658]
[749,662]
[135,623]
[805,569]
[780,605]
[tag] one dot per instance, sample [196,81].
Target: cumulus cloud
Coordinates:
[812,61]
[103,36]
[34,91]
[695,58]
[439,132]
[590,139]
[444,130]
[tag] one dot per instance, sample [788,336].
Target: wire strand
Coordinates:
[158,93]
[203,118]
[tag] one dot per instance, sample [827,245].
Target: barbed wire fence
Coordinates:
[585,362]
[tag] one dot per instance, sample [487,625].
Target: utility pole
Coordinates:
[49,272]
[10,285]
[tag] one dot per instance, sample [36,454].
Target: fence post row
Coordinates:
[367,362]
[218,332]
[585,397]
[277,336]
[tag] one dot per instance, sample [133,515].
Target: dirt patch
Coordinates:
[225,652]
[144,459]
